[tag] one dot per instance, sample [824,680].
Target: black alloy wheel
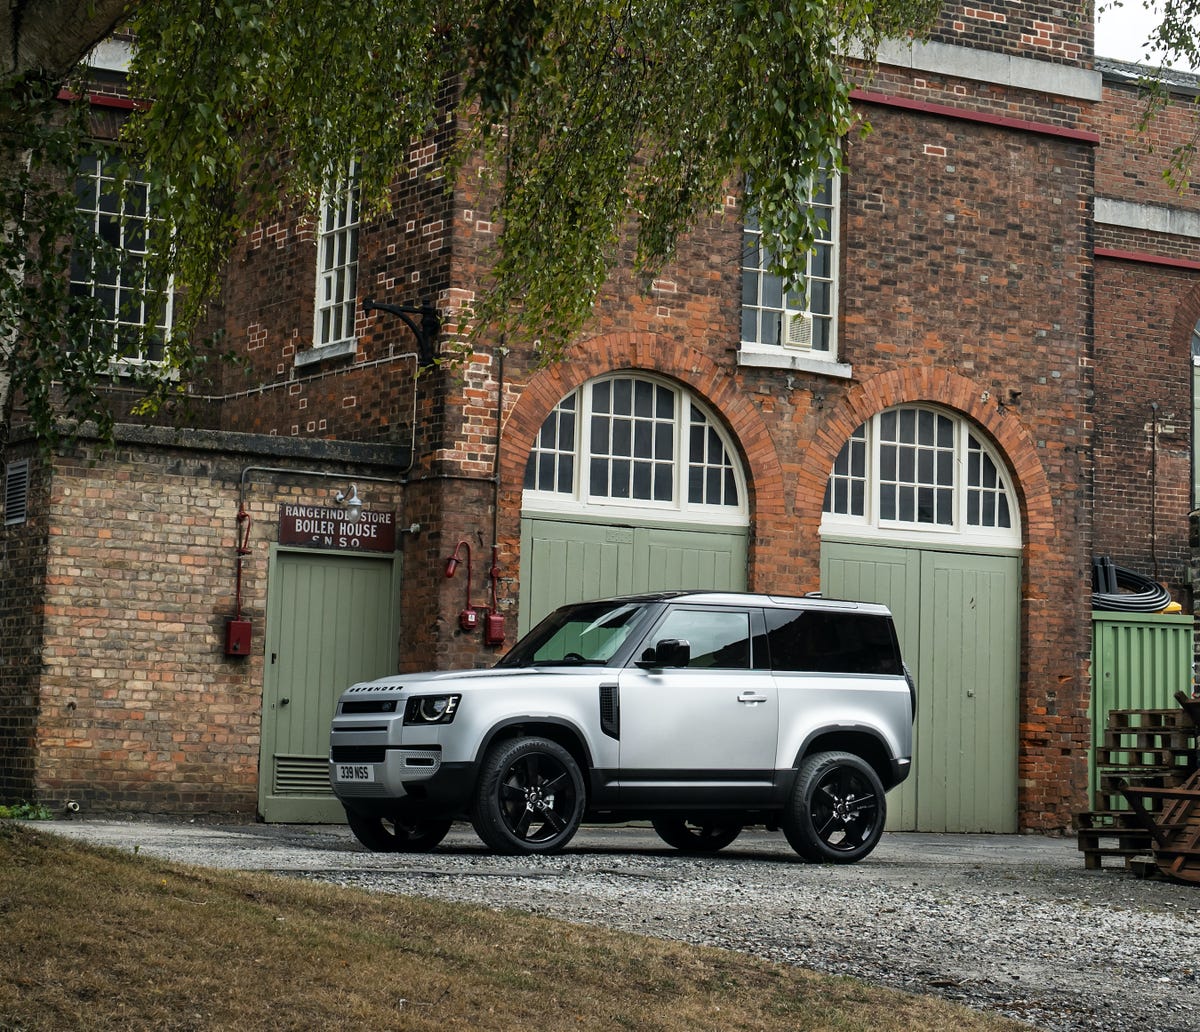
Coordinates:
[530,797]
[837,810]
[397,834]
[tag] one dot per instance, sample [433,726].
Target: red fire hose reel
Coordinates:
[468,617]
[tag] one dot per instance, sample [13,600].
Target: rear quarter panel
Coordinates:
[811,704]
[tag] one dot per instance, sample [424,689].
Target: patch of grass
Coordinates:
[101,939]
[25,812]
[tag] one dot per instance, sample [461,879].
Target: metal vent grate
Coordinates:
[16,492]
[302,775]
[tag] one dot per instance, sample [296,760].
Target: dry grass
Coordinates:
[101,939]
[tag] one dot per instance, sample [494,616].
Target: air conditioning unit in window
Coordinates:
[795,330]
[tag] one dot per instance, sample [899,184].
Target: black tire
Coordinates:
[397,834]
[705,835]
[530,797]
[837,809]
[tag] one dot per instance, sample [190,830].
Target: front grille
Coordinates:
[357,753]
[369,706]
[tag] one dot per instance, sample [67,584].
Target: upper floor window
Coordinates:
[797,320]
[637,443]
[131,314]
[917,469]
[337,260]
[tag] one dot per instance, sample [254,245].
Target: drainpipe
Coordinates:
[1154,487]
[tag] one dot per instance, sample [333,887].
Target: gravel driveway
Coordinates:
[1012,924]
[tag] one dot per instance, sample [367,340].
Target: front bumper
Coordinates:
[361,775]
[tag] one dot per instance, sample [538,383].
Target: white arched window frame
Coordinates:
[924,474]
[635,446]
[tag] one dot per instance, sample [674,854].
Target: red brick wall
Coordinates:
[1143,418]
[1061,33]
[1147,304]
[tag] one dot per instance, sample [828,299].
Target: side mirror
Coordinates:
[670,652]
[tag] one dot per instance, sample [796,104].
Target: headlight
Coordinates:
[431,709]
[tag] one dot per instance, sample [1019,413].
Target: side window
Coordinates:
[132,310]
[828,642]
[799,316]
[719,639]
[337,260]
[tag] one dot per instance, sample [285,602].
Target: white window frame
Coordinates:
[862,479]
[573,419]
[338,226]
[112,208]
[764,296]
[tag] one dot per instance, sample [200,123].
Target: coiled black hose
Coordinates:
[1137,594]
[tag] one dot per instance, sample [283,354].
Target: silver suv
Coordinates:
[701,712]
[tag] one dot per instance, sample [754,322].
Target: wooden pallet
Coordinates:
[1175,829]
[1145,754]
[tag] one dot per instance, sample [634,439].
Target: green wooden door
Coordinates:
[564,561]
[957,616]
[331,621]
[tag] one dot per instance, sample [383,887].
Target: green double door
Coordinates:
[332,620]
[957,614]
[567,561]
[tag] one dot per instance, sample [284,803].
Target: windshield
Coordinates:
[590,632]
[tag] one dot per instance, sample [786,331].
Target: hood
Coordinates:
[442,678]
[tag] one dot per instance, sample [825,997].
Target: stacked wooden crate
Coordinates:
[1142,749]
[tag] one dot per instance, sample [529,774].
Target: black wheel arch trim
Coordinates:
[843,738]
[565,732]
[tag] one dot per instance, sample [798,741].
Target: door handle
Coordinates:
[751,698]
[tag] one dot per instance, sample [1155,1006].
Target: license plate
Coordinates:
[355,772]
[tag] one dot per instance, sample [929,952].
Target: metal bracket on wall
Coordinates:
[426,331]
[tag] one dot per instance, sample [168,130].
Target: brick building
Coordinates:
[989,382]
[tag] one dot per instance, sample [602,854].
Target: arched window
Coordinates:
[920,471]
[627,442]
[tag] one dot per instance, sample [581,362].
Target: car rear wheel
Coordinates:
[396,834]
[837,809]
[702,835]
[530,797]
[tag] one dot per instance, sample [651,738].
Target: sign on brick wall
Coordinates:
[315,526]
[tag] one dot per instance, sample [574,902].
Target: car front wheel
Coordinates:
[530,797]
[704,835]
[396,834]
[837,809]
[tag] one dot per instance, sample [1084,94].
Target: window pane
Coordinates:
[664,484]
[622,401]
[337,266]
[718,640]
[620,479]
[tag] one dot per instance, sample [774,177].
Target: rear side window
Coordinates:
[836,643]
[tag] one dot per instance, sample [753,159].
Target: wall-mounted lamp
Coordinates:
[352,503]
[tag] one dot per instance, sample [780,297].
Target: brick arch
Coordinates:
[647,352]
[929,386]
[1187,314]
